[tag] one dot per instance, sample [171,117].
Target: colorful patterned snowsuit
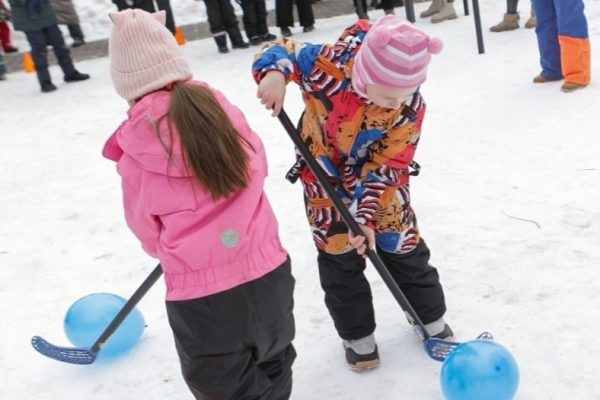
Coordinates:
[365,149]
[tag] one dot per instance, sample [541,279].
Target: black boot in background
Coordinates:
[47,86]
[221,40]
[76,34]
[237,41]
[76,77]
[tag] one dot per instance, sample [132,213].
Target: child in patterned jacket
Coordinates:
[362,121]
[192,174]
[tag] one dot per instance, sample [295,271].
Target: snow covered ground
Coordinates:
[494,148]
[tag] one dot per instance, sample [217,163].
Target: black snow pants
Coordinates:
[236,345]
[348,294]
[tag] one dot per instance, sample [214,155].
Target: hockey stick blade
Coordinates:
[439,349]
[71,355]
[87,355]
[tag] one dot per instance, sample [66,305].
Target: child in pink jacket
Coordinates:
[192,176]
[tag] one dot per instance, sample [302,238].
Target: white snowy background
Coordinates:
[496,151]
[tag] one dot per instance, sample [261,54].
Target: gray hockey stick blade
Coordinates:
[71,355]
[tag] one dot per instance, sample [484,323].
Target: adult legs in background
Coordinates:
[361,11]
[5,38]
[388,5]
[231,25]
[547,38]
[574,44]
[284,16]
[146,5]
[255,21]
[305,14]
[39,40]
[510,20]
[222,21]
[250,21]
[166,5]
[434,8]
[261,20]
[76,34]
[63,55]
[447,12]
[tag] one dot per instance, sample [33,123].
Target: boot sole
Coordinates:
[570,89]
[546,80]
[504,29]
[449,17]
[427,15]
[364,365]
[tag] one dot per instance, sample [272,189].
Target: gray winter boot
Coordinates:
[440,329]
[362,354]
[447,12]
[508,23]
[434,7]
[532,21]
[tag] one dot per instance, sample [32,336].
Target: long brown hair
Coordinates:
[211,147]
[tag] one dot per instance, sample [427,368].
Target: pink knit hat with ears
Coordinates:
[395,54]
[144,55]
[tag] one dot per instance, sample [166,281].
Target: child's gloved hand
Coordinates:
[271,91]
[360,243]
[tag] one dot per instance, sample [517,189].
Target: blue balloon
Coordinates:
[479,370]
[89,316]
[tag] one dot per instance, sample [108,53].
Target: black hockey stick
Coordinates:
[437,349]
[87,355]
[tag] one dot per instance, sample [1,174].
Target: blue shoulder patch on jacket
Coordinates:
[307,56]
[270,56]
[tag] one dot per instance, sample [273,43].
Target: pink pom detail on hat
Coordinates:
[395,54]
[144,55]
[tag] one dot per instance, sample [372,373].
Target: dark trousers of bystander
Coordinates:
[39,40]
[284,13]
[146,5]
[166,6]
[255,17]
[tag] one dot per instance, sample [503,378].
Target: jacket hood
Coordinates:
[145,137]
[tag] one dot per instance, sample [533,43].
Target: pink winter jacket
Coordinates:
[205,246]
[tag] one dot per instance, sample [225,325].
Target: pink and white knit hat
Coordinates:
[395,54]
[144,55]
